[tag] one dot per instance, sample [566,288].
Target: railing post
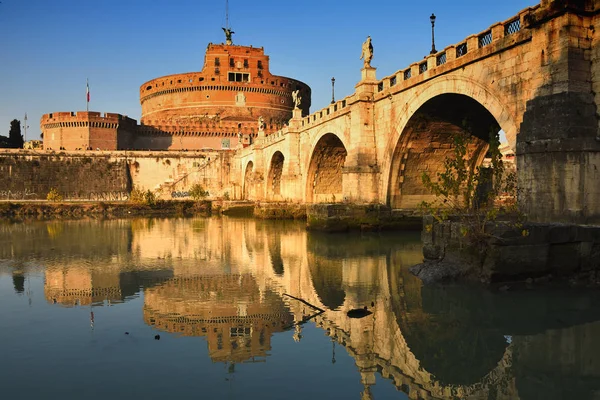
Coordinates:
[431,61]
[414,69]
[497,31]
[472,43]
[450,53]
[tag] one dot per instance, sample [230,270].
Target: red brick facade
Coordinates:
[195,110]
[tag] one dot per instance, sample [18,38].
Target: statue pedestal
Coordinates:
[366,87]
[368,74]
[261,133]
[297,113]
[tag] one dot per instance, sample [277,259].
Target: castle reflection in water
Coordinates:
[236,282]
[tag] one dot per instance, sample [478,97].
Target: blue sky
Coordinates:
[49,47]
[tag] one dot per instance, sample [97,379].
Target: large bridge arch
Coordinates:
[428,118]
[325,166]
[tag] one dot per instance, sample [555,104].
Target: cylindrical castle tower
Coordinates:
[234,89]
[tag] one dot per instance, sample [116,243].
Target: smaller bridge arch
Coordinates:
[325,170]
[248,185]
[274,176]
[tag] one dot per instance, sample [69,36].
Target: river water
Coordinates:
[224,308]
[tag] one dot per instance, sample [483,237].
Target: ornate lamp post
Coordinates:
[332,90]
[432,19]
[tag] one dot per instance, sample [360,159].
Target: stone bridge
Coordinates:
[534,76]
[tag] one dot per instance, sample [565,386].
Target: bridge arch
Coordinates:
[421,137]
[274,176]
[248,188]
[324,177]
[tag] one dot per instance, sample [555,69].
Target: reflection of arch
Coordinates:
[504,115]
[327,276]
[450,345]
[324,178]
[274,178]
[427,141]
[248,181]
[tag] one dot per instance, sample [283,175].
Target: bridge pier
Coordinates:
[558,147]
[360,174]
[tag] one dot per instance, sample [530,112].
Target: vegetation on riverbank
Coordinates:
[68,210]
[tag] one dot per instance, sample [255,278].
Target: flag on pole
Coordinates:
[87,90]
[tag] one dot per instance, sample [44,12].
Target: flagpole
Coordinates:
[87,95]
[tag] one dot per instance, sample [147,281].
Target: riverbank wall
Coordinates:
[508,251]
[27,175]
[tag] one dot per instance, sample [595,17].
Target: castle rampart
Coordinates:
[86,130]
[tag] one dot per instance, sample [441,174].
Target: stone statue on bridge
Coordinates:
[261,124]
[228,33]
[367,52]
[296,98]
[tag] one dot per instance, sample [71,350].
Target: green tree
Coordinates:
[469,192]
[15,138]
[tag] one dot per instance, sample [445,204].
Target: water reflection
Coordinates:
[238,283]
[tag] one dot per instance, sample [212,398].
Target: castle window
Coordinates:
[238,77]
[259,64]
[245,63]
[179,81]
[260,74]
[231,62]
[217,71]
[217,62]
[148,87]
[201,79]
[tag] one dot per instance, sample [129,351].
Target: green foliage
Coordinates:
[138,196]
[475,195]
[197,192]
[53,195]
[149,198]
[14,135]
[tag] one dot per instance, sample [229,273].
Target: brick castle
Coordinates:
[216,108]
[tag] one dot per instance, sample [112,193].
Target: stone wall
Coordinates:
[110,176]
[25,176]
[454,250]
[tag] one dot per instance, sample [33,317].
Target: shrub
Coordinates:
[197,192]
[149,198]
[53,195]
[136,196]
[140,197]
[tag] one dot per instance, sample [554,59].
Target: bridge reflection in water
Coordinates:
[230,281]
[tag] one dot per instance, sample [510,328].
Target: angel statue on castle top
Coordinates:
[228,33]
